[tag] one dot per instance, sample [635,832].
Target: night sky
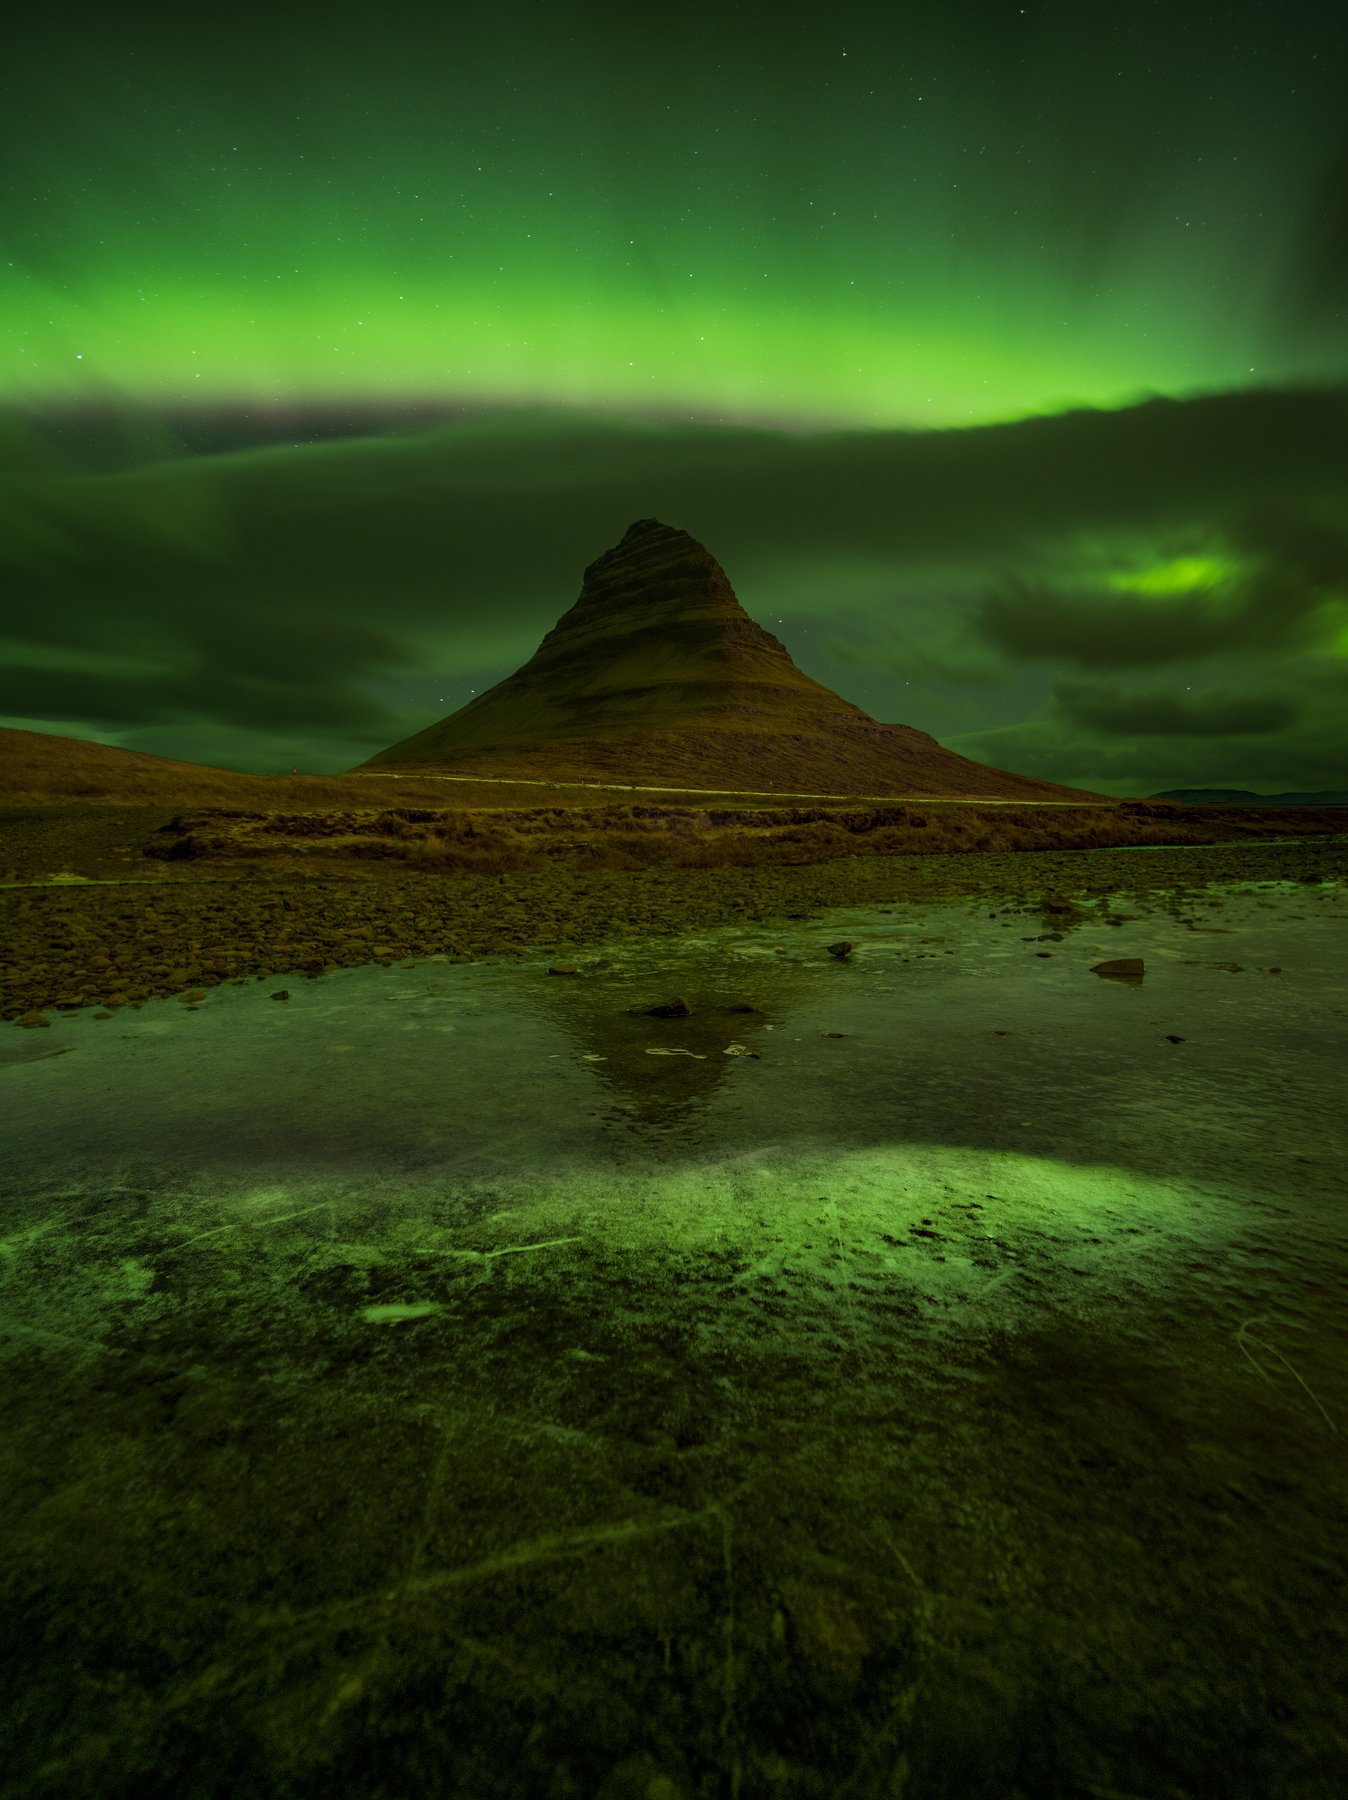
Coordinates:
[999,353]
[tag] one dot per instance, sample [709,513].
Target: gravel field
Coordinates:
[129,928]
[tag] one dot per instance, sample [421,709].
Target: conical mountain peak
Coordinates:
[656,676]
[653,564]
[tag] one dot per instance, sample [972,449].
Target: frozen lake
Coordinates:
[837,1377]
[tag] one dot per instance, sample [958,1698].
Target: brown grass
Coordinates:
[640,835]
[67,805]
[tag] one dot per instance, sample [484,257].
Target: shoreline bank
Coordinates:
[74,945]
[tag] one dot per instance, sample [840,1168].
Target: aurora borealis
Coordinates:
[334,344]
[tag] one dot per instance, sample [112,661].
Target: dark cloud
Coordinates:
[1103,630]
[1296,542]
[352,589]
[299,649]
[1171,712]
[1289,566]
[1310,757]
[500,498]
[294,703]
[126,700]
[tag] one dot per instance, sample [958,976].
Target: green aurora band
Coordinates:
[860,220]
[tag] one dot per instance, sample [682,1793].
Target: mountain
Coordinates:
[41,768]
[1244,797]
[657,676]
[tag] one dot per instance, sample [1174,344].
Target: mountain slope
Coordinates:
[658,675]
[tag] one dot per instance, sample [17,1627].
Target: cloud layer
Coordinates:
[1151,597]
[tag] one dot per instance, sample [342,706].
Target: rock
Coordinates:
[743,1006]
[1122,968]
[104,1015]
[839,951]
[1170,1038]
[833,1034]
[191,999]
[563,969]
[30,1020]
[281,994]
[116,1000]
[678,1008]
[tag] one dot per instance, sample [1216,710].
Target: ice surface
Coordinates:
[947,1071]
[444,1327]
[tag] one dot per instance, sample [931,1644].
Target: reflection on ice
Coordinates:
[955,1024]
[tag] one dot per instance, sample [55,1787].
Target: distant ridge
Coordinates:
[1244,797]
[657,676]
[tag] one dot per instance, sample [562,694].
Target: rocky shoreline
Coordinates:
[139,934]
